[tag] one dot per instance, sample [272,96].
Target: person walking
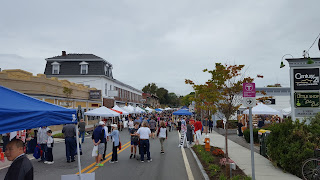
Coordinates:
[134,140]
[69,131]
[42,138]
[197,130]
[98,140]
[5,140]
[49,148]
[82,130]
[116,142]
[205,125]
[210,125]
[162,134]
[152,125]
[189,133]
[144,134]
[130,124]
[21,167]
[106,138]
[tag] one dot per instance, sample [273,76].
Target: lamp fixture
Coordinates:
[282,64]
[310,61]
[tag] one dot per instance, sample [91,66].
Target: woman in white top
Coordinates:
[144,134]
[130,124]
[162,134]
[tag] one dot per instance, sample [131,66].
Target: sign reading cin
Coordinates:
[306,79]
[304,99]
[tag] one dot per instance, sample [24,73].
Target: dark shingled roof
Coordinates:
[76,56]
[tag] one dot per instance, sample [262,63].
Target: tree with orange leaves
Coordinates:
[223,92]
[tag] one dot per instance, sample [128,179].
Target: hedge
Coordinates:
[246,134]
[58,135]
[231,125]
[290,143]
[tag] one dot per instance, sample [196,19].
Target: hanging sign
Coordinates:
[303,99]
[249,94]
[306,79]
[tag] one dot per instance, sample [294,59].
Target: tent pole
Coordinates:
[78,152]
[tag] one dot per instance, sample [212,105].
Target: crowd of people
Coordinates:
[141,129]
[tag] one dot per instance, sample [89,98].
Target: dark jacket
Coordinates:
[189,133]
[20,169]
[98,134]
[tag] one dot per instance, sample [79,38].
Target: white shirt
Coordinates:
[50,140]
[144,132]
[105,131]
[130,123]
[162,133]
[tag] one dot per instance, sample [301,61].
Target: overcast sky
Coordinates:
[163,41]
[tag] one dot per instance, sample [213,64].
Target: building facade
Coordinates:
[50,90]
[93,71]
[151,100]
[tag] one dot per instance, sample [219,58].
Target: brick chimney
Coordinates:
[64,53]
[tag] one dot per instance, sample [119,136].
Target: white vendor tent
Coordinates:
[117,108]
[286,111]
[263,109]
[149,109]
[129,109]
[139,110]
[102,112]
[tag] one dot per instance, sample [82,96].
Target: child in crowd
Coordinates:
[134,140]
[49,149]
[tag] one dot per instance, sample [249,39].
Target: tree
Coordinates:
[150,88]
[162,94]
[222,92]
[187,99]
[173,100]
[68,93]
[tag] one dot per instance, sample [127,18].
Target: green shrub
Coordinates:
[239,177]
[246,134]
[222,177]
[207,157]
[232,124]
[214,169]
[58,135]
[290,143]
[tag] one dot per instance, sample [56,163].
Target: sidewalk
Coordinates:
[264,170]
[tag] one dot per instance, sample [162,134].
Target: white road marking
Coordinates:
[186,163]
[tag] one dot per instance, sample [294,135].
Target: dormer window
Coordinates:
[55,68]
[84,67]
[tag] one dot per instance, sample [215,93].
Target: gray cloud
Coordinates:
[163,42]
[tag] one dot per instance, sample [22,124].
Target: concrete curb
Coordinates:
[204,174]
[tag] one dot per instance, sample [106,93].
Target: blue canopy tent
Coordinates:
[185,107]
[19,112]
[158,110]
[182,112]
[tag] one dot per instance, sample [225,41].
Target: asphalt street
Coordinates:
[163,167]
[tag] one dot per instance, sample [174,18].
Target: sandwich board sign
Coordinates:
[249,94]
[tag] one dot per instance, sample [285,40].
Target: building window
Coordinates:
[106,89]
[55,68]
[84,67]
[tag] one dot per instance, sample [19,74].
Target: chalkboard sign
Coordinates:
[303,99]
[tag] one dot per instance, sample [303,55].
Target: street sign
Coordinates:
[249,101]
[249,95]
[249,90]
